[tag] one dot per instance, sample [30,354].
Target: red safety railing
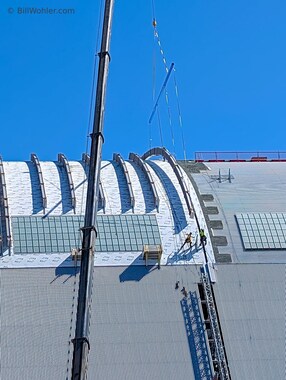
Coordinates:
[240,156]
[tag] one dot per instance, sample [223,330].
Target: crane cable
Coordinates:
[158,40]
[153,98]
[180,116]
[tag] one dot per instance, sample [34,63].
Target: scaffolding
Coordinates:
[219,355]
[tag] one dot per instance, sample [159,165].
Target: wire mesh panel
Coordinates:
[60,234]
[261,231]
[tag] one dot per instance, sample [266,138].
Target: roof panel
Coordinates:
[251,305]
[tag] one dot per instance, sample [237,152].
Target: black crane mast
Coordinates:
[80,341]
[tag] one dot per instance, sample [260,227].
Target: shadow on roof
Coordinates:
[122,186]
[145,187]
[185,255]
[65,190]
[173,197]
[36,189]
[66,269]
[195,331]
[85,167]
[136,272]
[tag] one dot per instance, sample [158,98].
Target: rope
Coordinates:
[170,120]
[180,116]
[153,9]
[164,60]
[157,38]
[160,126]
[153,78]
[153,93]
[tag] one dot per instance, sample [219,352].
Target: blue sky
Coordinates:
[230,62]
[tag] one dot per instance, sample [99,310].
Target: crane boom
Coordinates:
[81,342]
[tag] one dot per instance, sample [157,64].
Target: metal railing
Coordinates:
[241,156]
[6,240]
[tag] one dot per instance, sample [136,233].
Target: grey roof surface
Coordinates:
[138,330]
[251,303]
[137,326]
[254,187]
[36,323]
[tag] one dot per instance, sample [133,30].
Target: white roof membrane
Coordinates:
[174,221]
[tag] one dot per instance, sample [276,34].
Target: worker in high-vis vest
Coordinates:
[203,237]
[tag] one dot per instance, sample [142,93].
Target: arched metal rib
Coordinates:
[135,158]
[177,170]
[102,196]
[36,161]
[121,162]
[62,159]
[85,158]
[5,218]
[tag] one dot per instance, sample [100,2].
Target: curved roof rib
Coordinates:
[102,196]
[157,151]
[5,218]
[36,161]
[121,162]
[62,159]
[86,158]
[135,158]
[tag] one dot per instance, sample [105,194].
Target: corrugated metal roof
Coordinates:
[251,304]
[137,326]
[256,187]
[36,323]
